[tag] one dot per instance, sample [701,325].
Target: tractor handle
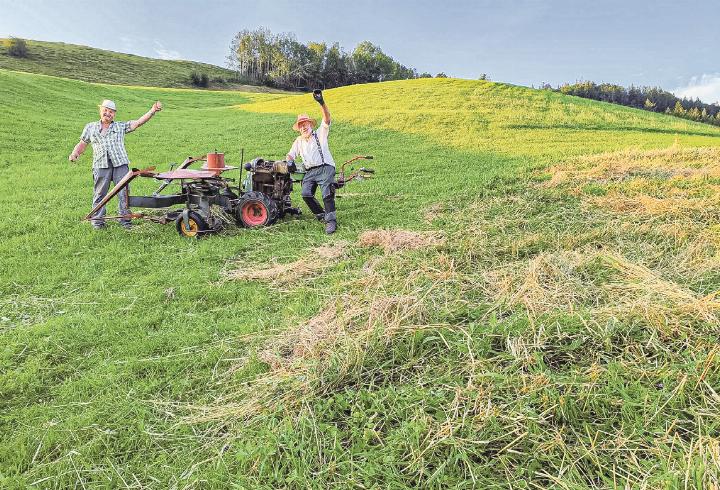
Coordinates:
[359,157]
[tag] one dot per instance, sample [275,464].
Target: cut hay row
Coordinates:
[554,318]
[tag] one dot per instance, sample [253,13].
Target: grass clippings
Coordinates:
[395,240]
[278,273]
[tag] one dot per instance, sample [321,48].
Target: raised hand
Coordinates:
[317,95]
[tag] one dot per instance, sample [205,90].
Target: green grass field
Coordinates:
[98,65]
[524,297]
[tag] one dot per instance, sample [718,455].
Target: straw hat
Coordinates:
[109,104]
[301,119]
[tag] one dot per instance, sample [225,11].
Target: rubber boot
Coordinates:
[330,223]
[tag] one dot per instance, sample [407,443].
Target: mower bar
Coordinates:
[122,216]
[157,219]
[146,172]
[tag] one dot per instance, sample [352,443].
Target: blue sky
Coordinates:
[672,44]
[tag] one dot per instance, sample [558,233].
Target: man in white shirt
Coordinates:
[312,147]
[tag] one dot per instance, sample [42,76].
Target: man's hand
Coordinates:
[157,107]
[77,151]
[317,95]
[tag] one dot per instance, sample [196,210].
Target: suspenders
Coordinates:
[317,141]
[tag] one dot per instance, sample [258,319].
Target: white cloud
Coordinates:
[706,88]
[166,54]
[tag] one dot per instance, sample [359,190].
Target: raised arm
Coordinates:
[157,107]
[317,95]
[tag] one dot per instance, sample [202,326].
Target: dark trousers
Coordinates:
[102,178]
[323,177]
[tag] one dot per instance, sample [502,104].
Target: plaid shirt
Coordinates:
[108,148]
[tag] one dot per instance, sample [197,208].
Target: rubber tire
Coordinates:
[256,209]
[198,225]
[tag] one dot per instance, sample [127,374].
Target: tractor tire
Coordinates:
[256,209]
[197,226]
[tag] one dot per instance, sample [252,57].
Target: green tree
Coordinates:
[370,64]
[335,73]
[678,110]
[199,79]
[694,114]
[17,47]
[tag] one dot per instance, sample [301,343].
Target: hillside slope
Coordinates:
[101,66]
[497,117]
[524,297]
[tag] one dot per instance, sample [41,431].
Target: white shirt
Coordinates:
[308,149]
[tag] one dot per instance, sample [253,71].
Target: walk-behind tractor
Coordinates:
[212,201]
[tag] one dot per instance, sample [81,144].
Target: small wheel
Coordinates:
[196,225]
[256,209]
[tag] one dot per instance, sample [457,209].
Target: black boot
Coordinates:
[330,219]
[330,223]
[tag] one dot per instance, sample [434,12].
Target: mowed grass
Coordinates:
[98,65]
[536,337]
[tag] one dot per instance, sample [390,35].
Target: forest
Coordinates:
[652,99]
[280,60]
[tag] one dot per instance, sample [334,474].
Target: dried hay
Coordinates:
[394,240]
[673,162]
[641,290]
[318,260]
[568,281]
[336,320]
[547,282]
[651,206]
[434,211]
[672,182]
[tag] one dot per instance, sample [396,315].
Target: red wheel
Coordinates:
[254,213]
[256,209]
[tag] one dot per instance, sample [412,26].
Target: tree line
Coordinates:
[652,99]
[280,60]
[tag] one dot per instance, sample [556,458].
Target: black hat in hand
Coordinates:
[317,95]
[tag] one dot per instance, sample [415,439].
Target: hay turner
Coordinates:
[210,200]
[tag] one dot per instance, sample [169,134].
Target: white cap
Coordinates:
[109,104]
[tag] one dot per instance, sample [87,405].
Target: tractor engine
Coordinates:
[266,192]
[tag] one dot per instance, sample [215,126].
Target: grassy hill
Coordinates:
[98,65]
[524,297]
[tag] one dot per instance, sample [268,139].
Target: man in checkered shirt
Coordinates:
[110,160]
